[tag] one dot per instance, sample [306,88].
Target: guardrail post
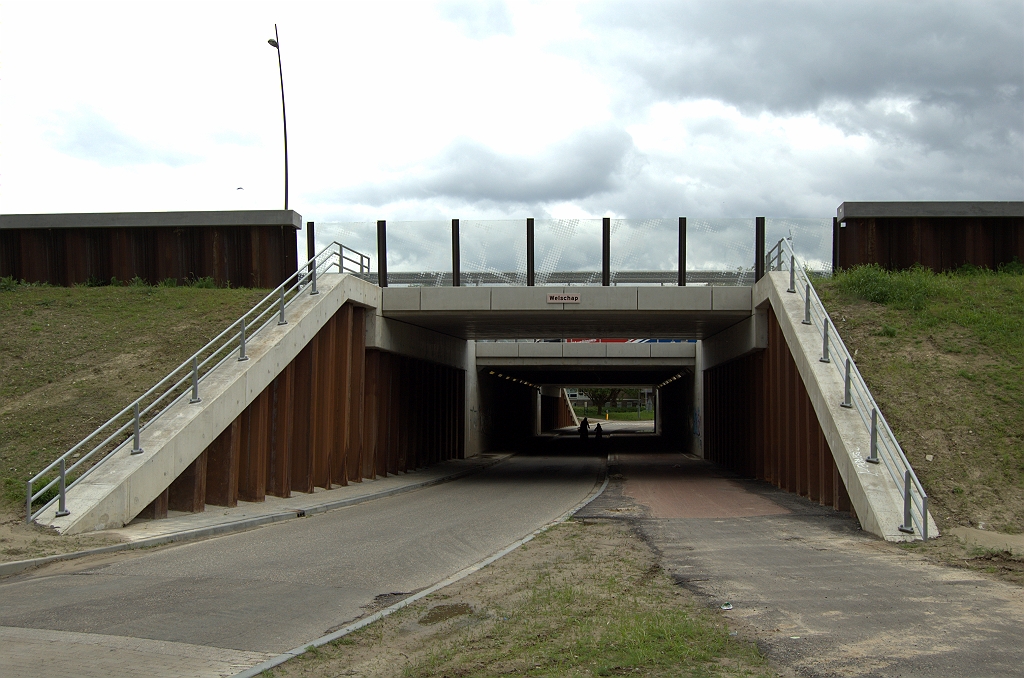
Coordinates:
[792,273]
[28,501]
[456,256]
[241,346]
[924,517]
[136,448]
[310,245]
[759,262]
[606,245]
[847,392]
[531,263]
[682,252]
[908,525]
[195,382]
[807,306]
[873,451]
[280,319]
[824,341]
[62,509]
[382,253]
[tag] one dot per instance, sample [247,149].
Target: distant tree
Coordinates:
[601,396]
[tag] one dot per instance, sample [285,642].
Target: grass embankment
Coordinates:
[579,600]
[614,414]
[943,355]
[73,357]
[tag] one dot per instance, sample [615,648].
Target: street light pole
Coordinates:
[273,42]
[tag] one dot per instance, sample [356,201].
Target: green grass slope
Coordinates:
[943,355]
[70,358]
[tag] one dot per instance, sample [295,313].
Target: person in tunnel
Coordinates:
[584,429]
[598,434]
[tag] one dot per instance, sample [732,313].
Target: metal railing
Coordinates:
[884,448]
[184,381]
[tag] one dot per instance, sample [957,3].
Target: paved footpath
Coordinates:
[819,596]
[215,607]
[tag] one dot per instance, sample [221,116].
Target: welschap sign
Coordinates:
[563,298]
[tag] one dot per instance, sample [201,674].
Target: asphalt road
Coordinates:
[276,587]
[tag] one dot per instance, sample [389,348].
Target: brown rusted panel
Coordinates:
[370,413]
[826,466]
[384,405]
[394,414]
[157,508]
[939,243]
[403,412]
[222,466]
[324,403]
[342,410]
[802,446]
[188,491]
[357,394]
[842,496]
[302,439]
[255,434]
[814,438]
[282,433]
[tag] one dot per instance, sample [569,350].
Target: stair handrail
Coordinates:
[187,377]
[884,448]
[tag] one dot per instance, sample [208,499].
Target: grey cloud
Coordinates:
[795,56]
[478,19]
[90,136]
[589,163]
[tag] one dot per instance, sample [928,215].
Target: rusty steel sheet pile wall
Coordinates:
[938,243]
[338,413]
[260,256]
[554,413]
[760,423]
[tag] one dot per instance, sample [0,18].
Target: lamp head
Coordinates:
[273,43]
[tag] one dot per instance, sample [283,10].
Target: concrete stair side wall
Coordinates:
[875,498]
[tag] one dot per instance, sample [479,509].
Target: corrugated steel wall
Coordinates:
[554,413]
[240,256]
[759,423]
[336,414]
[938,243]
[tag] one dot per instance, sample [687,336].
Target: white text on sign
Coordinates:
[563,298]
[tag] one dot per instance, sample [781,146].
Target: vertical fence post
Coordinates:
[456,255]
[312,279]
[280,319]
[792,274]
[873,451]
[136,448]
[908,525]
[310,245]
[195,382]
[28,501]
[682,252]
[530,261]
[758,248]
[847,393]
[824,341]
[606,244]
[62,509]
[807,306]
[241,344]
[382,253]
[835,244]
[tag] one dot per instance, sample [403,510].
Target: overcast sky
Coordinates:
[502,110]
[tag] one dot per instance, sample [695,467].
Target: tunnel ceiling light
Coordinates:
[492,371]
